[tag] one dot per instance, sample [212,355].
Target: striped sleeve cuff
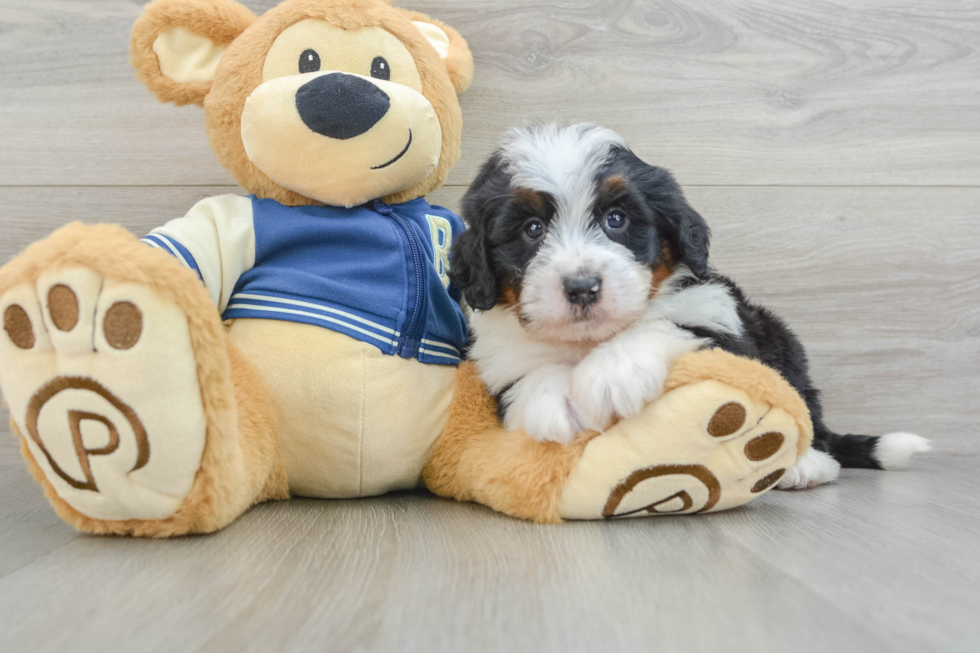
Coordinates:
[174,248]
[438,352]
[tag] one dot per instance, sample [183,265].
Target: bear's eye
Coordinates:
[309,61]
[380,69]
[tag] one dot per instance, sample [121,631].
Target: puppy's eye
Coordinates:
[615,221]
[533,230]
[380,69]
[309,61]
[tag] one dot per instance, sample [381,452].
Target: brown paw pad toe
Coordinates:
[63,307]
[727,420]
[17,324]
[123,325]
[764,446]
[768,481]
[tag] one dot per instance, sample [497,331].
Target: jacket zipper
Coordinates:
[410,341]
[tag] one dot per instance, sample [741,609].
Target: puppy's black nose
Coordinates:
[583,291]
[341,106]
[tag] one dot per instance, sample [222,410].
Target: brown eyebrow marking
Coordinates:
[534,200]
[611,190]
[614,185]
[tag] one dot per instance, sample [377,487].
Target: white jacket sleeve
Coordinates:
[216,239]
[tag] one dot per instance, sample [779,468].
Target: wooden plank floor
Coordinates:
[835,150]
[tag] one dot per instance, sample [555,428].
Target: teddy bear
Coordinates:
[305,340]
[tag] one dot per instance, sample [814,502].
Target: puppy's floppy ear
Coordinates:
[686,231]
[450,46]
[692,237]
[471,268]
[176,45]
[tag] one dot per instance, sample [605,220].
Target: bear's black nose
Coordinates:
[341,106]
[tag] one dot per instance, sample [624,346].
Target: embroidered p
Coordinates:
[84,390]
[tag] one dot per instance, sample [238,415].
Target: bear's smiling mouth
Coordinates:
[399,155]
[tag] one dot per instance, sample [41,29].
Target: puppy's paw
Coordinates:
[554,419]
[539,404]
[617,381]
[812,469]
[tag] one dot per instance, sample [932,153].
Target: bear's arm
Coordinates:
[216,239]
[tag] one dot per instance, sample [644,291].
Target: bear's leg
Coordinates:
[135,414]
[475,459]
[724,431]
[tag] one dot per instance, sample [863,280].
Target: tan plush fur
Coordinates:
[240,72]
[242,462]
[459,63]
[265,472]
[219,20]
[477,460]
[239,464]
[758,381]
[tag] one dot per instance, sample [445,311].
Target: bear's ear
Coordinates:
[176,45]
[452,48]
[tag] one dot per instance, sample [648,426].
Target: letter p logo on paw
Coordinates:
[107,415]
[664,489]
[101,380]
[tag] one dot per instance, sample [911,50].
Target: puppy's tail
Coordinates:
[891,451]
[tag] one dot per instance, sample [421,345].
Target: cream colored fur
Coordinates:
[187,58]
[353,423]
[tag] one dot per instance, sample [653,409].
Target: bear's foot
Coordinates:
[136,415]
[101,380]
[706,445]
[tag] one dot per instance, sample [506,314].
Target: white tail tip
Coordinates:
[895,450]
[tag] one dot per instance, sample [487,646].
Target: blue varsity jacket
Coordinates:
[376,272]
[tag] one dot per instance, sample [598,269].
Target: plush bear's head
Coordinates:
[332,101]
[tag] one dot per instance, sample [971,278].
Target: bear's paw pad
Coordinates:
[101,381]
[700,448]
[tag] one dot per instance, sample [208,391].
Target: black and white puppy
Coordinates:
[587,272]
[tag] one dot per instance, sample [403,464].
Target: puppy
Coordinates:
[587,272]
